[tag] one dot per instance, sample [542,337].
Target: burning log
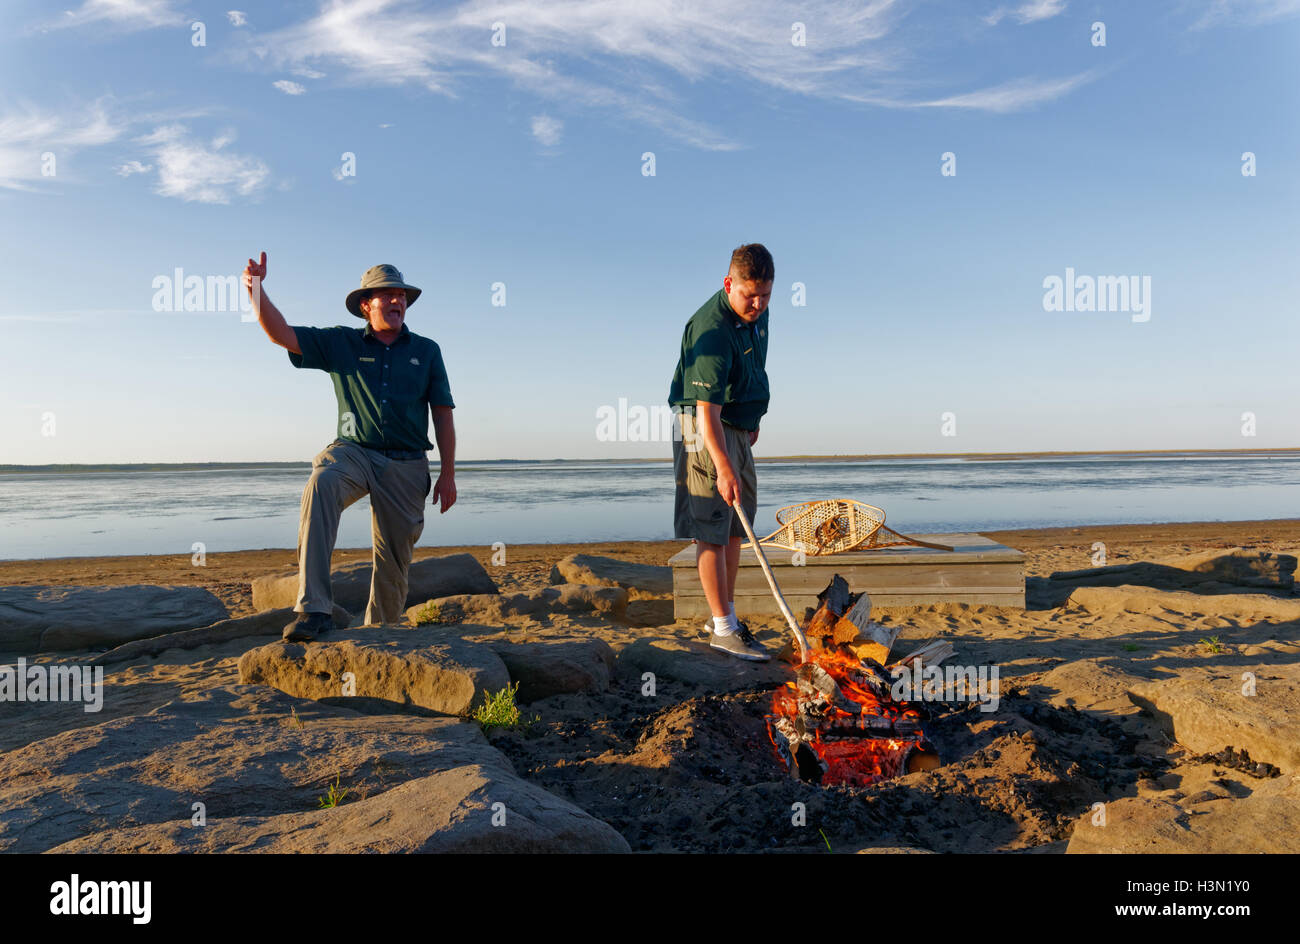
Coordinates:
[837,722]
[931,653]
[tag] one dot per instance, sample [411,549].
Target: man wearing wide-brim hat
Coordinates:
[387,380]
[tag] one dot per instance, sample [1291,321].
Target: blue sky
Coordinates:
[522,164]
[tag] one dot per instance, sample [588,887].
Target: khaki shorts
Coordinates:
[699,511]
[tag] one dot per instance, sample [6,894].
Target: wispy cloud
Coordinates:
[1029,12]
[203,172]
[127,15]
[133,167]
[237,17]
[640,59]
[580,54]
[1015,95]
[27,133]
[290,88]
[547,130]
[1242,12]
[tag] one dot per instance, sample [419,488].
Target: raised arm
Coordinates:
[268,316]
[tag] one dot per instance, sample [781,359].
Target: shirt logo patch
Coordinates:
[368,360]
[415,361]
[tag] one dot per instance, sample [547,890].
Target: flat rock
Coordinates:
[1090,686]
[1239,607]
[48,619]
[1266,821]
[1242,566]
[259,761]
[642,579]
[557,666]
[398,667]
[606,602]
[266,623]
[696,664]
[428,578]
[1206,711]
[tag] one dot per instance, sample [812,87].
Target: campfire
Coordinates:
[837,722]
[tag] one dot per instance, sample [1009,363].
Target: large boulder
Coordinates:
[258,762]
[605,602]
[428,578]
[557,666]
[48,619]
[393,665]
[1208,710]
[266,623]
[642,580]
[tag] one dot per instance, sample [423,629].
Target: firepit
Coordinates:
[837,722]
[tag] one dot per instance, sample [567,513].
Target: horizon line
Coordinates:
[19,468]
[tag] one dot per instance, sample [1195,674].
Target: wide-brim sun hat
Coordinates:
[380,276]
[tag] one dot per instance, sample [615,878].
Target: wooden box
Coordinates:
[977,570]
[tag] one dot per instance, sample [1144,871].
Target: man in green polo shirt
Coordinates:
[720,394]
[387,380]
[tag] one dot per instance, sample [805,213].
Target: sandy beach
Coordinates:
[1082,718]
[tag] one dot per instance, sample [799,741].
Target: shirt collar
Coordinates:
[368,332]
[724,306]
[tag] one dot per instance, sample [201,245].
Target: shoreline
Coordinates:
[228,574]
[75,468]
[1034,535]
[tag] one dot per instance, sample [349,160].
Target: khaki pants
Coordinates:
[340,475]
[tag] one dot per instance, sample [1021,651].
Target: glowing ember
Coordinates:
[836,722]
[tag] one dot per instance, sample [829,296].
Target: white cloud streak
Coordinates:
[194,171]
[1242,12]
[290,88]
[27,133]
[126,15]
[1030,12]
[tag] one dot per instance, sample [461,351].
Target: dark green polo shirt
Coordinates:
[388,388]
[724,361]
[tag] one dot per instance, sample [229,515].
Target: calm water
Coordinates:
[133,512]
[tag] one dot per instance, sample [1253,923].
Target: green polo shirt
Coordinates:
[724,361]
[387,388]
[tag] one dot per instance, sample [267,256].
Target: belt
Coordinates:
[390,453]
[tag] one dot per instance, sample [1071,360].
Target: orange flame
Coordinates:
[851,761]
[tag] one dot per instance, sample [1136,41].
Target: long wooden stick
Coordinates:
[771,582]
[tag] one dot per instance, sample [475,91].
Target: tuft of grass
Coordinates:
[500,711]
[294,720]
[827,841]
[1131,647]
[427,614]
[333,797]
[1212,644]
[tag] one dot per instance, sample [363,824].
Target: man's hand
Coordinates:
[728,486]
[753,437]
[444,490]
[254,270]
